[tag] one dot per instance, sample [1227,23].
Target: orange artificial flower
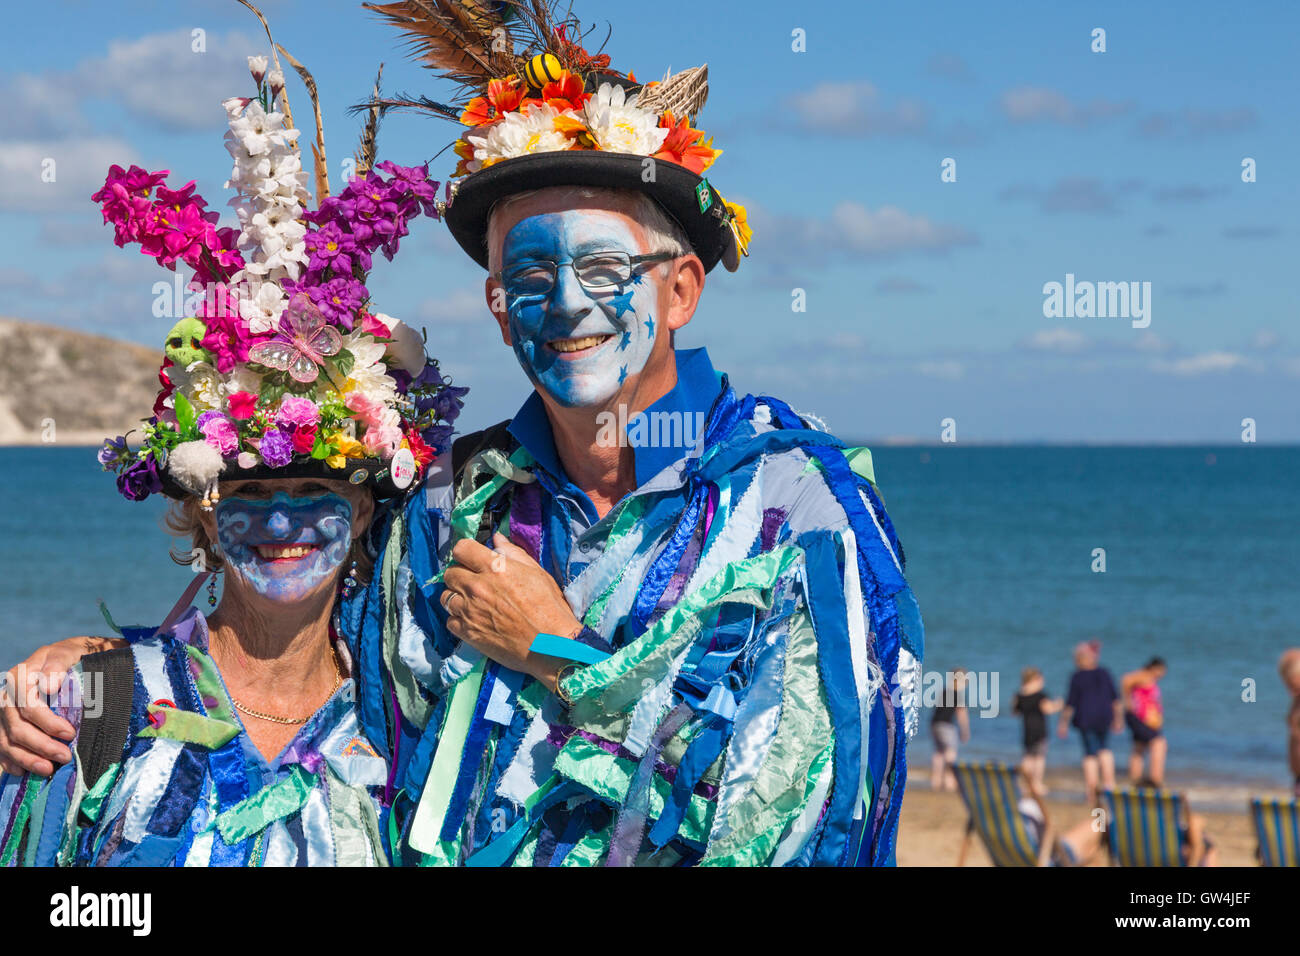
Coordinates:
[686,146]
[465,151]
[504,96]
[566,93]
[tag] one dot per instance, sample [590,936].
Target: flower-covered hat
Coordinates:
[548,113]
[280,367]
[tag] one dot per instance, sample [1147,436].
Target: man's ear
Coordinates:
[495,294]
[685,286]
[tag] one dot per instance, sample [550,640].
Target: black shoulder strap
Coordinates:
[467,446]
[103,733]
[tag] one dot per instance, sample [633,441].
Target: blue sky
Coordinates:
[924,298]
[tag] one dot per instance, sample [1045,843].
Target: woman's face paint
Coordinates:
[284,547]
[578,345]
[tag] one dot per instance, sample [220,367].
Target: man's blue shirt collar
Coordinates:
[696,389]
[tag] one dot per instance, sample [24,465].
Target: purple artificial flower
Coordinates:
[113,452]
[140,479]
[447,403]
[437,437]
[276,448]
[331,248]
[415,181]
[339,299]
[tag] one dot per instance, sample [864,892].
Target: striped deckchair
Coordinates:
[1146,827]
[1277,824]
[991,793]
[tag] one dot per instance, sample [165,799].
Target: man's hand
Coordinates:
[499,601]
[30,733]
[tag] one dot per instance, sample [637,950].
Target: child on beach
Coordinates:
[949,725]
[1289,670]
[1033,705]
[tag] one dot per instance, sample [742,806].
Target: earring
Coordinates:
[350,582]
[212,590]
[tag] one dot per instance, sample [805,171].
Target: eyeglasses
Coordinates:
[596,271]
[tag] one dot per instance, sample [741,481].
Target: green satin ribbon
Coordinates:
[93,802]
[255,813]
[427,825]
[189,728]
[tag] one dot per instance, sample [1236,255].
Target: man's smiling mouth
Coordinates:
[586,343]
[284,552]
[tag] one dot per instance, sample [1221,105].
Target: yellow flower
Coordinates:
[739,224]
[347,448]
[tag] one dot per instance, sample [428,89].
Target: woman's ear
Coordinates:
[684,287]
[363,510]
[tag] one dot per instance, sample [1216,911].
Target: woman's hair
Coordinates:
[182,520]
[1029,673]
[1157,662]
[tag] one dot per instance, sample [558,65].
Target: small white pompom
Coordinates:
[195,465]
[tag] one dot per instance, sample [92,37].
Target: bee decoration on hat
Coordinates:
[540,110]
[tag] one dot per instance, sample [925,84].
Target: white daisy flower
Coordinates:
[519,134]
[618,125]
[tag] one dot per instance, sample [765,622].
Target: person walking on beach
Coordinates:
[1145,715]
[949,725]
[1289,669]
[1093,707]
[1033,705]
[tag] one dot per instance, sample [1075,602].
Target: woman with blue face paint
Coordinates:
[241,743]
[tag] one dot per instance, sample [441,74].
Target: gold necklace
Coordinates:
[338,682]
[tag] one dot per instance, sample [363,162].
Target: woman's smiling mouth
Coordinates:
[577,347]
[284,552]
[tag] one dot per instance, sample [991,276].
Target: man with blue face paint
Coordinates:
[649,643]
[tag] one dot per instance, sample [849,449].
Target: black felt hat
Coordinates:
[685,196]
[372,473]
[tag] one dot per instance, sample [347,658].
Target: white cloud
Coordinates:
[79,166]
[159,77]
[886,230]
[855,108]
[1203,364]
[1062,340]
[1036,104]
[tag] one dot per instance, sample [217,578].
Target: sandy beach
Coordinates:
[932,824]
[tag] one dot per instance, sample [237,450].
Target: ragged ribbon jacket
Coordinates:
[755,653]
[190,788]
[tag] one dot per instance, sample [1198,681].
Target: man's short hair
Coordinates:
[662,232]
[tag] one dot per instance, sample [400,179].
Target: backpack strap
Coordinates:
[467,446]
[102,737]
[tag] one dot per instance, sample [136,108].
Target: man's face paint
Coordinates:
[614,328]
[283,546]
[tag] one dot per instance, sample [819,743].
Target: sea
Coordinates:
[1015,553]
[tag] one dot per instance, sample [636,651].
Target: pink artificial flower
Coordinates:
[304,437]
[219,432]
[368,410]
[242,405]
[382,440]
[372,326]
[296,412]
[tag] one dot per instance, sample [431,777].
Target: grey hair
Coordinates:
[662,233]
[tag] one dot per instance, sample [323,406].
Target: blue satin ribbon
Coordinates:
[552,645]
